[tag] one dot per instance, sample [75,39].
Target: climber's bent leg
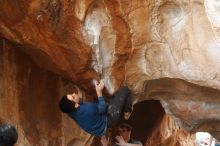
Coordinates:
[118,104]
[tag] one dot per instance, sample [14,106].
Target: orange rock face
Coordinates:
[168,133]
[163,50]
[29,99]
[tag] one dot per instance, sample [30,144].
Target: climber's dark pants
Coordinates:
[120,103]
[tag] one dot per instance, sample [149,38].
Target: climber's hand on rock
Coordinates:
[99,87]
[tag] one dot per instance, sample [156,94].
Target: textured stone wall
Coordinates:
[165,50]
[168,133]
[29,98]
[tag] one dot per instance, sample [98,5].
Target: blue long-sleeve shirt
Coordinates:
[91,117]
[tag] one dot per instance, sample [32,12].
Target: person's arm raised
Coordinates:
[102,106]
[99,87]
[79,93]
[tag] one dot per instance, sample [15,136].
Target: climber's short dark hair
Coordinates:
[8,135]
[66,105]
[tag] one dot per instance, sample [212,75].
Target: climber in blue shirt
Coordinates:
[95,117]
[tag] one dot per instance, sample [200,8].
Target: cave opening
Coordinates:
[205,139]
[146,116]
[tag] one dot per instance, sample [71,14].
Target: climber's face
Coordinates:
[75,98]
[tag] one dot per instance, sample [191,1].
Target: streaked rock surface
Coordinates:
[163,50]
